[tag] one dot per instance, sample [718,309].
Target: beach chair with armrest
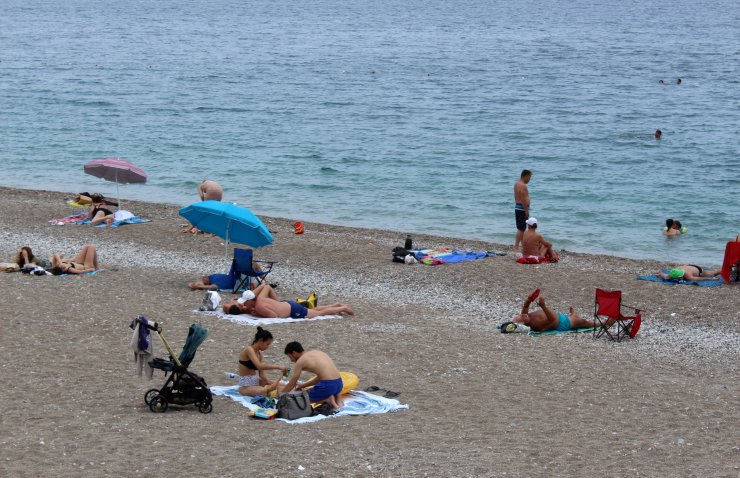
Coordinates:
[243,269]
[609,319]
[731,264]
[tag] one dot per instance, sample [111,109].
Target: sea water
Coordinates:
[415,116]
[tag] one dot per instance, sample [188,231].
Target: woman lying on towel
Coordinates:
[86,261]
[690,272]
[547,319]
[98,213]
[252,378]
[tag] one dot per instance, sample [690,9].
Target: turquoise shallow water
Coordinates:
[412,116]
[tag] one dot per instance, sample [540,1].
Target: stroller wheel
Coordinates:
[158,404]
[149,395]
[205,407]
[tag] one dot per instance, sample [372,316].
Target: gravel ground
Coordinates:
[482,403]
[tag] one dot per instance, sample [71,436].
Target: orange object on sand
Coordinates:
[298,227]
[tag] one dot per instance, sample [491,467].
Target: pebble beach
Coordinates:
[481,403]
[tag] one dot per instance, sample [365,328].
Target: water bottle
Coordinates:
[408,245]
[231,375]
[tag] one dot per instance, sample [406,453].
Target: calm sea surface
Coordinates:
[405,115]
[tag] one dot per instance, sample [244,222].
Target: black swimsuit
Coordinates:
[105,211]
[700,269]
[248,363]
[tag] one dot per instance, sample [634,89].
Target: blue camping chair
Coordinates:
[243,269]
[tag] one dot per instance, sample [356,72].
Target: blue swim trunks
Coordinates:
[222,281]
[563,322]
[297,311]
[325,389]
[520,216]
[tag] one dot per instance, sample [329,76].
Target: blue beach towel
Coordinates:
[130,220]
[702,283]
[453,256]
[355,403]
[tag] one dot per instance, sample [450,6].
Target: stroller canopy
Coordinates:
[196,335]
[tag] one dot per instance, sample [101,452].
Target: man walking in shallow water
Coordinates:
[521,207]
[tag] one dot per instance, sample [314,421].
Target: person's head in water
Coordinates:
[526,175]
[294,350]
[658,134]
[661,82]
[262,339]
[678,81]
[677,225]
[668,223]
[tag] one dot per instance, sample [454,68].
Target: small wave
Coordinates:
[328,170]
[89,103]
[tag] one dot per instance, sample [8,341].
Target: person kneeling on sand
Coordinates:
[547,319]
[534,245]
[252,367]
[86,261]
[690,272]
[326,385]
[263,302]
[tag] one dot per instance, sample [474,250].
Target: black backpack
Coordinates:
[399,254]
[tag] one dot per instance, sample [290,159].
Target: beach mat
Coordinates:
[702,283]
[247,319]
[557,332]
[451,256]
[81,219]
[355,403]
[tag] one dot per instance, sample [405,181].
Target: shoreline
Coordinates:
[482,403]
[401,234]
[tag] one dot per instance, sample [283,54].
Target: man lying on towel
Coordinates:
[534,245]
[690,272]
[326,386]
[547,319]
[262,302]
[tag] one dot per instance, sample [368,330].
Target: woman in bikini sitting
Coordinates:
[86,261]
[98,212]
[252,378]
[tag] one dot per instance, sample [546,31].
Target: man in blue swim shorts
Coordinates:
[262,302]
[326,386]
[546,319]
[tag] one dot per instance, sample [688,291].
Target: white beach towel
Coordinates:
[356,403]
[252,320]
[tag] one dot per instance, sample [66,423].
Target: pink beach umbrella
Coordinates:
[116,170]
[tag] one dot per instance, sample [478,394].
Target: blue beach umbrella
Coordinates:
[229,222]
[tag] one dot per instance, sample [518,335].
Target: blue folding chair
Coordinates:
[243,269]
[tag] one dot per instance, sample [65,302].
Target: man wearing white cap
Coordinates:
[534,245]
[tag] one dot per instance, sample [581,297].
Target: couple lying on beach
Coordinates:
[326,386]
[85,261]
[263,302]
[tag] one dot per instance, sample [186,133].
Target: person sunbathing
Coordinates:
[25,256]
[534,245]
[547,319]
[252,367]
[263,302]
[98,213]
[86,261]
[690,272]
[218,281]
[326,386]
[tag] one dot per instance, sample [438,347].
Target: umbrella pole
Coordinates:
[118,192]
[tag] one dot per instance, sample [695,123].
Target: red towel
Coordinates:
[732,256]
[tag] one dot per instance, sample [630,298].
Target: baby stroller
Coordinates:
[183,387]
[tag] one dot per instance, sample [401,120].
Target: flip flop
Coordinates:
[391,394]
[373,388]
[534,295]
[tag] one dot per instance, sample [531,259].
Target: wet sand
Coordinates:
[482,403]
